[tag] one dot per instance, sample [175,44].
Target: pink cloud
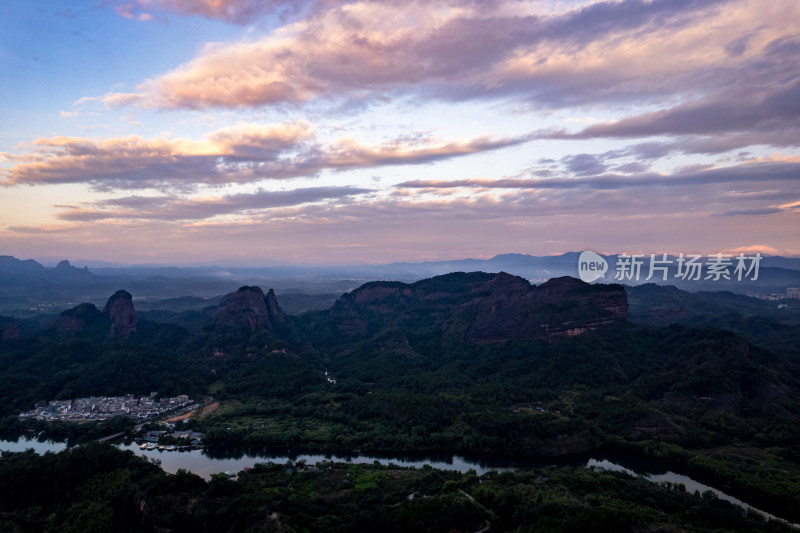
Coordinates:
[125,10]
[601,52]
[233,11]
[240,154]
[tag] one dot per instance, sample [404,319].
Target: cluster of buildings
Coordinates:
[171,441]
[104,407]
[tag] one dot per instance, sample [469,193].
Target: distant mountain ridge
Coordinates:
[26,285]
[535,268]
[15,270]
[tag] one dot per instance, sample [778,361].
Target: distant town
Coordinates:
[105,407]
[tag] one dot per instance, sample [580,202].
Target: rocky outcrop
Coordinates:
[274,311]
[561,307]
[75,320]
[482,308]
[380,303]
[119,309]
[249,307]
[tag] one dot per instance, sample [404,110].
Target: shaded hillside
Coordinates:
[772,324]
[75,320]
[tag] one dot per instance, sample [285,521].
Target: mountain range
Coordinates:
[26,285]
[461,362]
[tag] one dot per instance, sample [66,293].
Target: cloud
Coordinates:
[401,231]
[626,51]
[232,11]
[781,131]
[760,107]
[749,212]
[651,211]
[701,203]
[125,10]
[752,173]
[171,208]
[39,230]
[763,248]
[633,168]
[239,154]
[720,75]
[584,164]
[658,78]
[774,109]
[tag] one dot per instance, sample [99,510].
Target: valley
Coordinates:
[463,363]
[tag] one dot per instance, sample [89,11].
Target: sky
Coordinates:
[280,132]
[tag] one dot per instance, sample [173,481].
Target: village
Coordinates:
[105,407]
[143,410]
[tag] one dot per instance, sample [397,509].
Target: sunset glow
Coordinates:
[331,132]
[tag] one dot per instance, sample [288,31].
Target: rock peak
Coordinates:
[273,309]
[249,306]
[119,309]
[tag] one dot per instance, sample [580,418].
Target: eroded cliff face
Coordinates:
[483,308]
[119,309]
[274,312]
[250,307]
[561,307]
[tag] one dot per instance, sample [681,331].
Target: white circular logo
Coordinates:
[591,266]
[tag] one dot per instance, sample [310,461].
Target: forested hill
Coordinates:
[769,323]
[481,308]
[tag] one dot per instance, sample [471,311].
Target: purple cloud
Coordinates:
[232,155]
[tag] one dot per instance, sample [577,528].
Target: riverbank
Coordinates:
[199,462]
[116,486]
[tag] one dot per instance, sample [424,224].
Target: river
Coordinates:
[200,463]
